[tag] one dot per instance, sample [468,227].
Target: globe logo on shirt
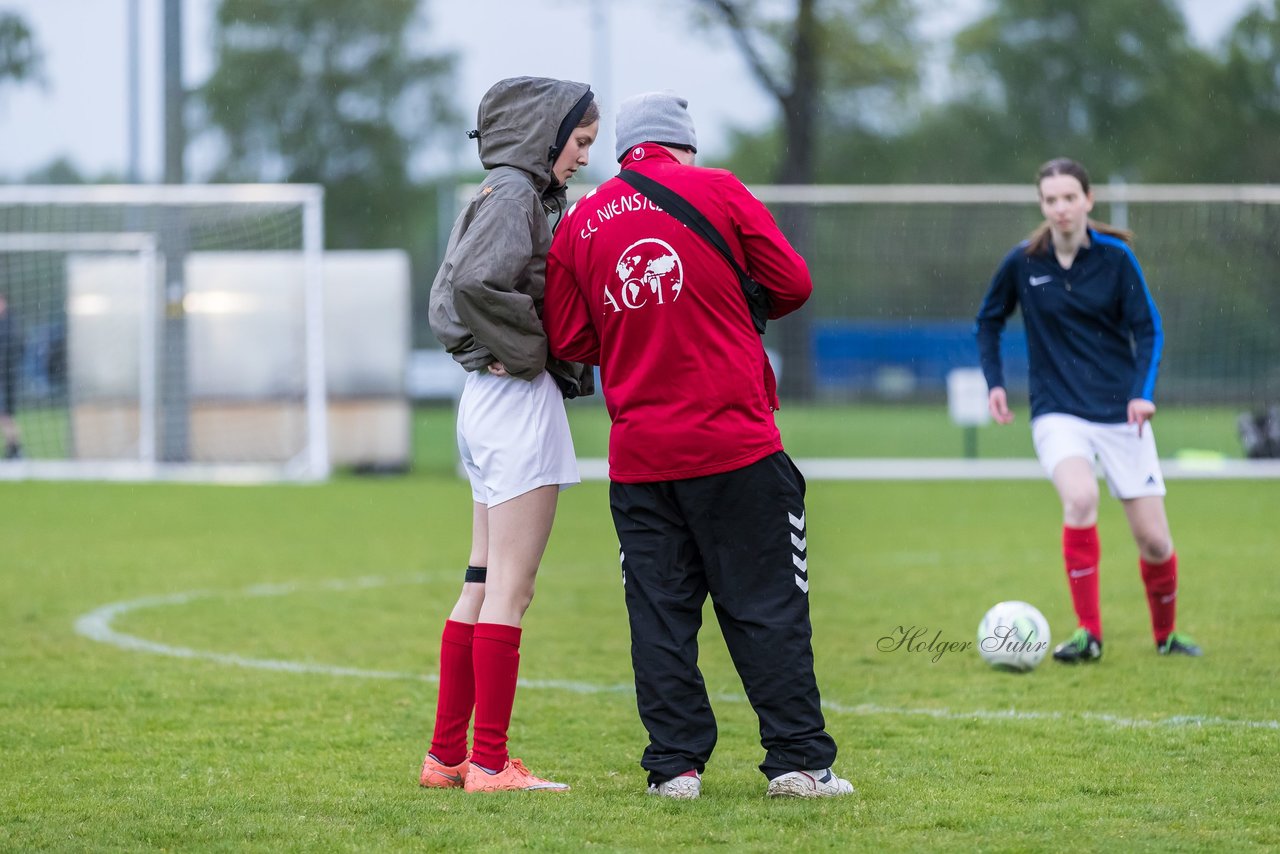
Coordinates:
[649,273]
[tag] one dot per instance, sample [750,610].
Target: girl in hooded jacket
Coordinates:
[513,435]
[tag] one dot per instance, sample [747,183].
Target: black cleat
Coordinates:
[1081,646]
[1179,644]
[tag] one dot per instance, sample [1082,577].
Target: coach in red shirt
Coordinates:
[704,499]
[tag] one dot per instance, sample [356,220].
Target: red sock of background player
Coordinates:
[496,654]
[1161,581]
[1080,552]
[457,694]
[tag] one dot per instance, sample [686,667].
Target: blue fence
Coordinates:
[895,359]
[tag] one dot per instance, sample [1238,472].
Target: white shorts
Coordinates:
[1129,461]
[513,436]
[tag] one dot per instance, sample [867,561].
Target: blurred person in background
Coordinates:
[1094,340]
[10,361]
[513,435]
[705,500]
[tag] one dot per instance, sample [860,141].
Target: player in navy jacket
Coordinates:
[1093,340]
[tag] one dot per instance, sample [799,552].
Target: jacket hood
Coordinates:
[519,119]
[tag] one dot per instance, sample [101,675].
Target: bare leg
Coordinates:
[518,534]
[1150,527]
[1077,486]
[467,609]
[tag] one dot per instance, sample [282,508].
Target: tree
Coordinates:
[61,170]
[831,65]
[329,92]
[838,65]
[1250,87]
[20,57]
[1111,84]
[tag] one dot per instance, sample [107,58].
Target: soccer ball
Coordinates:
[1013,636]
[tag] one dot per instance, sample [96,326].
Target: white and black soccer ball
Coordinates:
[1013,635]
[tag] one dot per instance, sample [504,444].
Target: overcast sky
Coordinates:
[619,47]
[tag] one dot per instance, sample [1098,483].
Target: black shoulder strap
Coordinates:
[676,205]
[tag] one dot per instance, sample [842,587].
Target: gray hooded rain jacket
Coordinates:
[486,301]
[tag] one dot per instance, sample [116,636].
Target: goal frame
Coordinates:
[312,463]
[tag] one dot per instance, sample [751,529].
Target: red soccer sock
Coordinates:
[496,655]
[1080,552]
[1161,581]
[457,693]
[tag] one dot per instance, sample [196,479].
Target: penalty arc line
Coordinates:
[96,625]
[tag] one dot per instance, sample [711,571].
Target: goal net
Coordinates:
[900,270]
[166,332]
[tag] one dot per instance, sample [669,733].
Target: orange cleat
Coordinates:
[514,777]
[437,775]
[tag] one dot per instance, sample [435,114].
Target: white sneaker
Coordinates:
[686,787]
[822,783]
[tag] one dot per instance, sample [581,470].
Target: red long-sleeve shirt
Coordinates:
[631,289]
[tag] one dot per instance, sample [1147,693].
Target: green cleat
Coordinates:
[1081,646]
[1179,644]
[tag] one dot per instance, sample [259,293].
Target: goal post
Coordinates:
[142,357]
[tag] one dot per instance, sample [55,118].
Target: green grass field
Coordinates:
[811,431]
[104,747]
[866,431]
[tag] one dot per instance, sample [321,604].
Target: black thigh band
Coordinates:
[476,574]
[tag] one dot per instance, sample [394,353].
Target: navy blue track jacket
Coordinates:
[1093,332]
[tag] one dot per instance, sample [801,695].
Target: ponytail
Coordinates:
[1112,231]
[1041,240]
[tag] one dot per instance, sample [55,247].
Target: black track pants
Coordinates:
[740,537]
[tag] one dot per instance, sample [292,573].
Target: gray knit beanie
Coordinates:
[661,117]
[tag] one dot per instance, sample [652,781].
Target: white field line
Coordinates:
[850,468]
[96,626]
